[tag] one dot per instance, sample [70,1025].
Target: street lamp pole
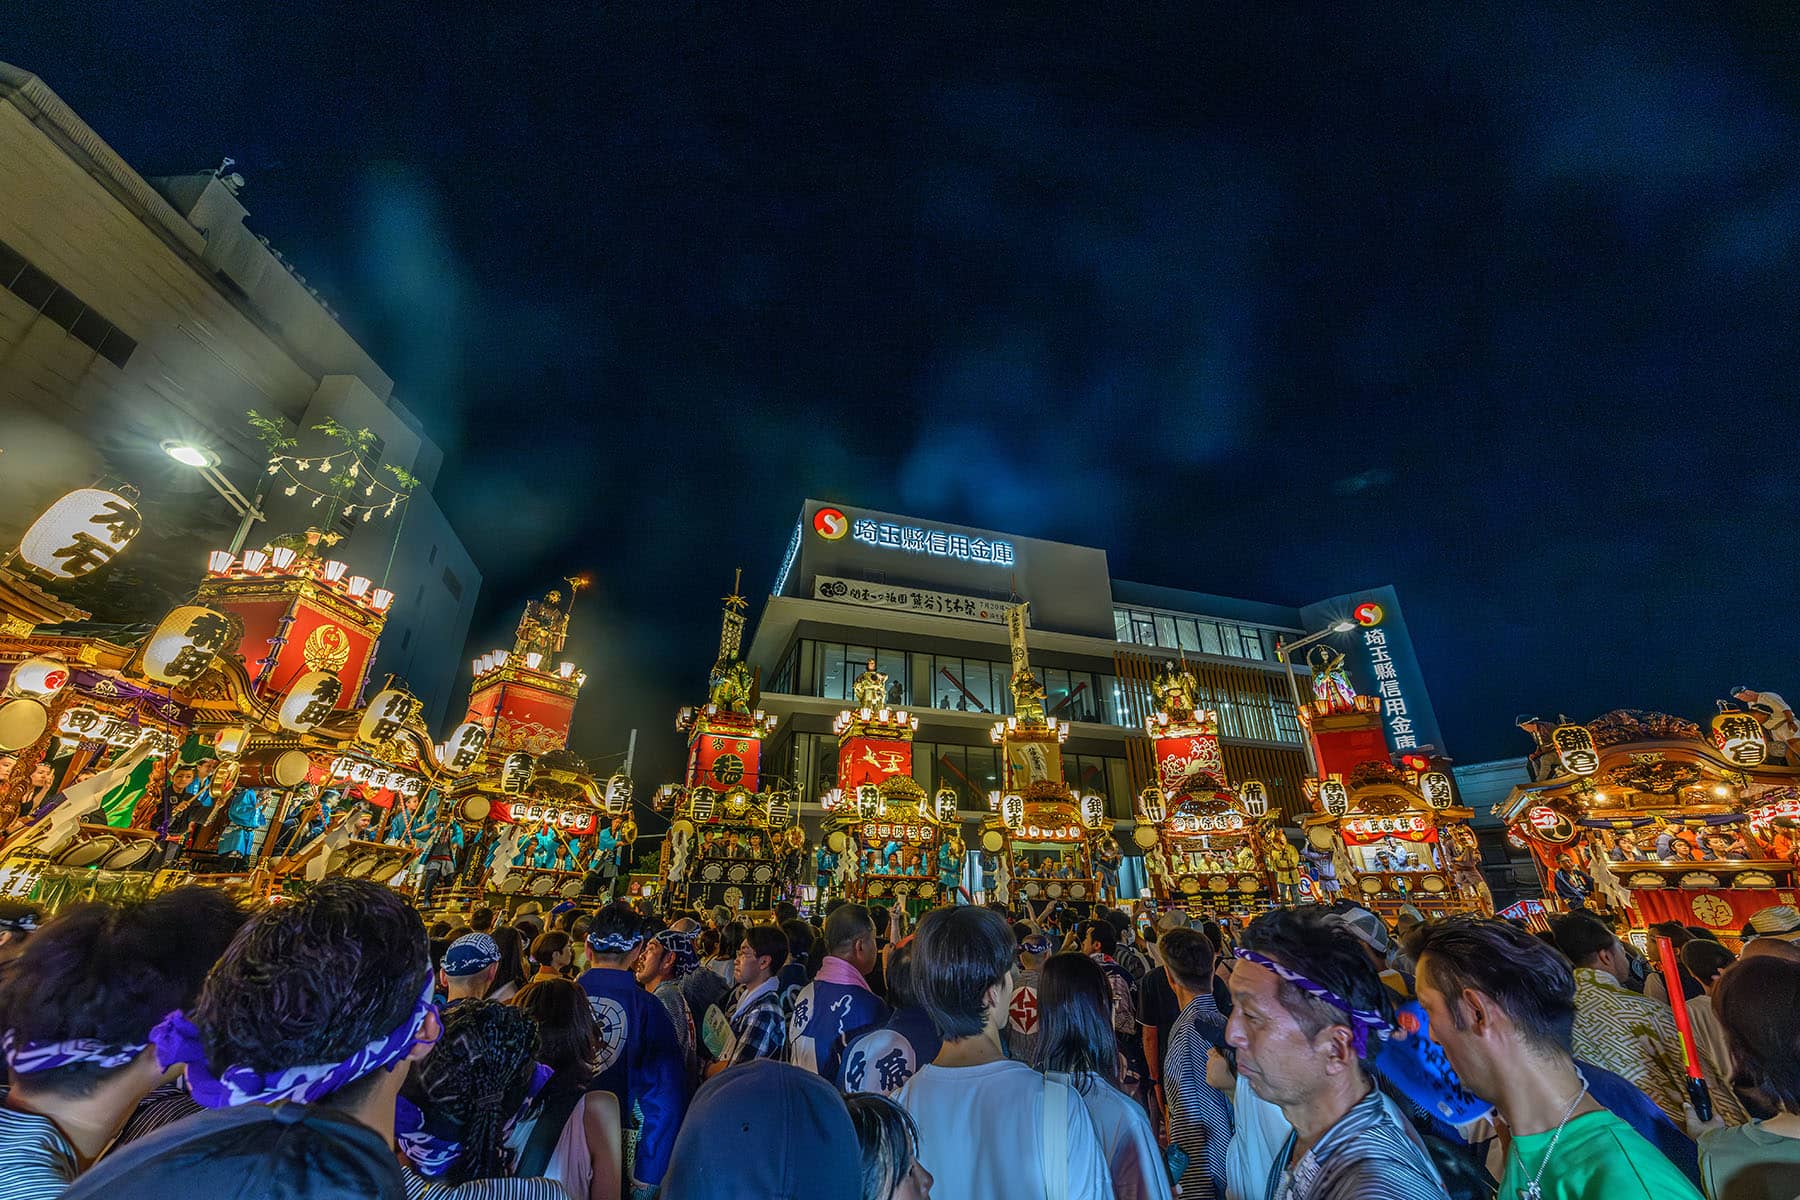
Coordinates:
[1284,651]
[207,463]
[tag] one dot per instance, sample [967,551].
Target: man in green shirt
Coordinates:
[1502,1005]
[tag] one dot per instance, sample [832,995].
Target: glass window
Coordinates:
[1228,638]
[892,663]
[1118,788]
[1081,696]
[978,681]
[1143,632]
[1209,638]
[923,683]
[823,756]
[1165,631]
[950,767]
[1253,643]
[1185,631]
[1122,624]
[833,684]
[984,770]
[1287,723]
[1056,691]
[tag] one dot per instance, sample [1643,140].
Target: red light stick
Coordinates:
[1697,1090]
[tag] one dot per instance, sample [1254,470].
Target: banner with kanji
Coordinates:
[1722,909]
[872,760]
[722,761]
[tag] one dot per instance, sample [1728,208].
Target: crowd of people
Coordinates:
[333,1045]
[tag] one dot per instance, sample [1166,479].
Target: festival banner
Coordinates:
[872,760]
[916,600]
[1341,751]
[316,640]
[1189,765]
[522,717]
[723,761]
[1724,909]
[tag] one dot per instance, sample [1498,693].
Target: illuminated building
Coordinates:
[928,600]
[134,311]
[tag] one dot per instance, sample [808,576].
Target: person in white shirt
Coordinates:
[989,1127]
[1075,1005]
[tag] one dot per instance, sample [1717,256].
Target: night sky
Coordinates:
[1498,307]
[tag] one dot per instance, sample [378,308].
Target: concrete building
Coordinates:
[136,310]
[926,601]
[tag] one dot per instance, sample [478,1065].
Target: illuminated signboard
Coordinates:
[830,523]
[1382,663]
[1378,826]
[903,599]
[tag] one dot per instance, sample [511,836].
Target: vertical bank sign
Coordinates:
[1380,658]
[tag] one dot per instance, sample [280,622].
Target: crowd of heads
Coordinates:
[334,997]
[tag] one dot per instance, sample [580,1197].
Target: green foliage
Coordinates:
[405,480]
[360,441]
[271,432]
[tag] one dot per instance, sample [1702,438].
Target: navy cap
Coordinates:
[765,1130]
[283,1151]
[470,954]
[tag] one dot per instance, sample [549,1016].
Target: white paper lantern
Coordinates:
[39,678]
[1739,737]
[185,643]
[1253,794]
[1093,810]
[1012,810]
[80,532]
[1575,749]
[387,713]
[1439,792]
[310,700]
[946,805]
[618,795]
[868,801]
[516,772]
[462,749]
[1334,797]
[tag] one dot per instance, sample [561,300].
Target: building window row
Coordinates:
[63,307]
[1194,635]
[1255,707]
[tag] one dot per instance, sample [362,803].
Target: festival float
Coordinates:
[729,837]
[525,817]
[1395,834]
[1660,819]
[891,843]
[1200,839]
[1042,833]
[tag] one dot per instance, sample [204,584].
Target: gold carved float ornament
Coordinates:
[1398,836]
[1645,801]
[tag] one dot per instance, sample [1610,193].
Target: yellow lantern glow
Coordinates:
[1739,737]
[1334,797]
[1253,794]
[1438,790]
[516,772]
[1575,749]
[310,700]
[40,678]
[185,643]
[386,715]
[463,747]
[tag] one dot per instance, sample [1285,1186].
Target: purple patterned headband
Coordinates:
[1361,1022]
[433,1154]
[27,1058]
[178,1041]
[614,943]
[681,946]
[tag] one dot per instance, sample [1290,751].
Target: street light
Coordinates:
[207,463]
[1284,651]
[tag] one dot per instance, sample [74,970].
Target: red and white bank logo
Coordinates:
[830,524]
[1368,614]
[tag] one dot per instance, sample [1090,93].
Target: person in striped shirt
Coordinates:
[1307,1017]
[1199,1116]
[77,1009]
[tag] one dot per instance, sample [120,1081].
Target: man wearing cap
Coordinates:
[470,965]
[765,1129]
[640,1055]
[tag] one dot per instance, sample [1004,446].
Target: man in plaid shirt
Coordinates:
[758,1026]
